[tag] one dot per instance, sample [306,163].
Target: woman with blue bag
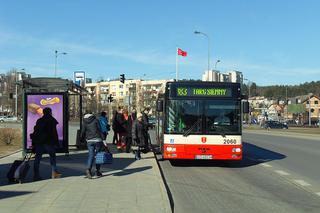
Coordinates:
[91,132]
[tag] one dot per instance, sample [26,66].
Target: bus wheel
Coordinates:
[160,157]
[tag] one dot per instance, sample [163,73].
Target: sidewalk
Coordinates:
[126,186]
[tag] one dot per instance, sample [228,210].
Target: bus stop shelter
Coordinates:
[39,93]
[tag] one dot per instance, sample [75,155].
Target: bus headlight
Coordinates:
[171,149]
[236,150]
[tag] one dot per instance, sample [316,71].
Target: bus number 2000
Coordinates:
[229,141]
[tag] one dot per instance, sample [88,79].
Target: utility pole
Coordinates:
[286,102]
[16,101]
[309,111]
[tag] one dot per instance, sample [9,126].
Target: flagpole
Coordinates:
[177,64]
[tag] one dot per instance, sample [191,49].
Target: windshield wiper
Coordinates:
[191,128]
[223,132]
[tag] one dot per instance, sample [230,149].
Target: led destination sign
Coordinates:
[203,92]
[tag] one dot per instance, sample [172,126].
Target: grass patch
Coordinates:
[10,140]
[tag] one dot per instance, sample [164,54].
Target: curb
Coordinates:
[12,153]
[166,195]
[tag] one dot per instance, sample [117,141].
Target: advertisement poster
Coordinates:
[35,103]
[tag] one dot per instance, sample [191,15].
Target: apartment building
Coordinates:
[133,94]
[9,90]
[217,76]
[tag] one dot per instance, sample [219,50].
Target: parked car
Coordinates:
[275,125]
[8,119]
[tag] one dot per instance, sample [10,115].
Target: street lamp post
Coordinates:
[310,109]
[249,83]
[197,32]
[16,101]
[215,66]
[55,62]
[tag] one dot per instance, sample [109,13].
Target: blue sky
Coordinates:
[270,42]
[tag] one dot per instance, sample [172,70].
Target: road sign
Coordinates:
[79,78]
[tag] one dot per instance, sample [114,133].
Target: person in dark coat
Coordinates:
[115,127]
[145,120]
[44,139]
[121,128]
[139,135]
[92,133]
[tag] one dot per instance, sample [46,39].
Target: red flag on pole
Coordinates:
[182,53]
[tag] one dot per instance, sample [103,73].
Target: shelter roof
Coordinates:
[52,85]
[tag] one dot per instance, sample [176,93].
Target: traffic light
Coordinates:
[110,98]
[122,78]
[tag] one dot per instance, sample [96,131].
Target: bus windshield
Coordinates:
[203,117]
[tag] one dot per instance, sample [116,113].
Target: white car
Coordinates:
[8,119]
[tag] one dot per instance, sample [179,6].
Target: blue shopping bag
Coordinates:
[104,158]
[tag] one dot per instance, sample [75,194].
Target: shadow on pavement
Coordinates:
[74,164]
[252,155]
[8,194]
[131,171]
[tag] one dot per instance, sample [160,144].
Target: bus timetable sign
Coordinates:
[203,92]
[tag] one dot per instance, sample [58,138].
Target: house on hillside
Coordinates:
[298,109]
[275,112]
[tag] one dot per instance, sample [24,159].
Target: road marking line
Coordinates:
[302,182]
[266,165]
[282,172]
[318,193]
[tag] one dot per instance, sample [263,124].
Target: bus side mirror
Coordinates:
[245,108]
[159,106]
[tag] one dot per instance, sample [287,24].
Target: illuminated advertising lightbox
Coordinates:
[35,103]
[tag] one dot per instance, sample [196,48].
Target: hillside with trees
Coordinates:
[282,91]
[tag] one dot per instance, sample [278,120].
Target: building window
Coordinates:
[316,102]
[120,86]
[121,93]
[113,94]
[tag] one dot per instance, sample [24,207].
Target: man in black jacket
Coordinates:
[44,139]
[145,120]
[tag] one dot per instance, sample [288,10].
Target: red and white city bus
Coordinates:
[200,120]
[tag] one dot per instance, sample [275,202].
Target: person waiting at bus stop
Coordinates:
[104,125]
[92,133]
[145,120]
[139,135]
[44,139]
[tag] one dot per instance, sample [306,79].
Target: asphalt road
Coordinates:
[279,173]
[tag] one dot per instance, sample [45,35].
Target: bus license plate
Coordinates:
[203,156]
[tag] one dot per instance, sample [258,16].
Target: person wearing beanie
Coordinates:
[139,135]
